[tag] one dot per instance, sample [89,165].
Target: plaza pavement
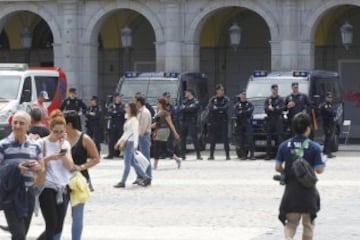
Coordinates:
[212,200]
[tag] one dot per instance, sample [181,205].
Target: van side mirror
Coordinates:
[26,96]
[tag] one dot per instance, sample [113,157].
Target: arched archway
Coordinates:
[330,54]
[40,53]
[220,61]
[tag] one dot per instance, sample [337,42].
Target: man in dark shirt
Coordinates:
[299,202]
[188,111]
[116,115]
[37,129]
[93,126]
[328,114]
[296,102]
[274,107]
[218,121]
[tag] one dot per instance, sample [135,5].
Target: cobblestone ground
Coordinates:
[212,200]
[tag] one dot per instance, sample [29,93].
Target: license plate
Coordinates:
[260,143]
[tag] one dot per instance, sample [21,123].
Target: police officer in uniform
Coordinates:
[274,107]
[218,120]
[328,115]
[93,115]
[189,114]
[296,102]
[72,103]
[116,116]
[243,111]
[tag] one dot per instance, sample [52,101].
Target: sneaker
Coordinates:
[146,182]
[108,157]
[120,185]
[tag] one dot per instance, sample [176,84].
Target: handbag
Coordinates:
[302,169]
[162,134]
[142,161]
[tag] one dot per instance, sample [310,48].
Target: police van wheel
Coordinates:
[335,143]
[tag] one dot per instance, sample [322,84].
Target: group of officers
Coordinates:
[220,111]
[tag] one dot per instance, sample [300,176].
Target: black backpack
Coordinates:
[302,169]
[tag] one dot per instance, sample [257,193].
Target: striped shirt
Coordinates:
[13,152]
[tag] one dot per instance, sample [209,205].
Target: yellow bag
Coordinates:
[80,191]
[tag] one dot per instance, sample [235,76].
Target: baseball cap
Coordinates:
[295,84]
[94,98]
[219,87]
[190,91]
[274,86]
[329,94]
[44,94]
[72,90]
[166,94]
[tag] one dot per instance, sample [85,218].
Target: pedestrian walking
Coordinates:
[37,129]
[21,165]
[218,121]
[163,125]
[59,166]
[244,112]
[188,112]
[299,202]
[144,118]
[171,109]
[93,125]
[40,103]
[274,107]
[328,114]
[296,102]
[85,156]
[116,115]
[129,142]
[147,105]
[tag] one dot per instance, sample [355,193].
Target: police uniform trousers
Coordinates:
[94,131]
[218,130]
[245,134]
[329,134]
[114,135]
[189,126]
[274,130]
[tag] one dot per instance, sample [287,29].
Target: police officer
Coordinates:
[93,115]
[116,116]
[218,120]
[296,102]
[274,107]
[72,103]
[189,114]
[243,113]
[328,115]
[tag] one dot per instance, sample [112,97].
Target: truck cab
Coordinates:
[21,85]
[315,84]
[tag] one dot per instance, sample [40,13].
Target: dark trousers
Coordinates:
[275,129]
[219,130]
[189,126]
[245,134]
[329,134]
[53,213]
[19,227]
[94,132]
[114,136]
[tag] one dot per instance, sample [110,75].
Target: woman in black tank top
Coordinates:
[85,155]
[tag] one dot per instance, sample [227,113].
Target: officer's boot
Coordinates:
[252,156]
[227,156]
[198,156]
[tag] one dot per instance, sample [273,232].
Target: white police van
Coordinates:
[21,85]
[315,84]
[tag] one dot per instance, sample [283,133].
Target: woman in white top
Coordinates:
[129,142]
[58,171]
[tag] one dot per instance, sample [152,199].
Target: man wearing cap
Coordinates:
[218,120]
[40,103]
[243,113]
[116,115]
[189,114]
[72,103]
[328,114]
[93,115]
[296,102]
[274,107]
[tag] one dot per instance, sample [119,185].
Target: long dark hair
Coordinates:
[73,118]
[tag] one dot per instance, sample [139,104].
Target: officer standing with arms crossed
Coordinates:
[189,114]
[328,115]
[116,116]
[72,103]
[218,120]
[296,102]
[243,113]
[274,107]
[93,115]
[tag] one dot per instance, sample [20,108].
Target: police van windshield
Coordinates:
[152,89]
[9,87]
[261,88]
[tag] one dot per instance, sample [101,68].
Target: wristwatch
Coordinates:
[82,167]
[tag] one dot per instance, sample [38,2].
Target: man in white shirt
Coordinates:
[144,117]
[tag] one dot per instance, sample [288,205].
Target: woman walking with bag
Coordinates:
[85,155]
[129,143]
[58,166]
[163,125]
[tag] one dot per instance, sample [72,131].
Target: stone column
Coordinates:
[173,32]
[289,36]
[88,70]
[276,58]
[191,57]
[70,44]
[307,55]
